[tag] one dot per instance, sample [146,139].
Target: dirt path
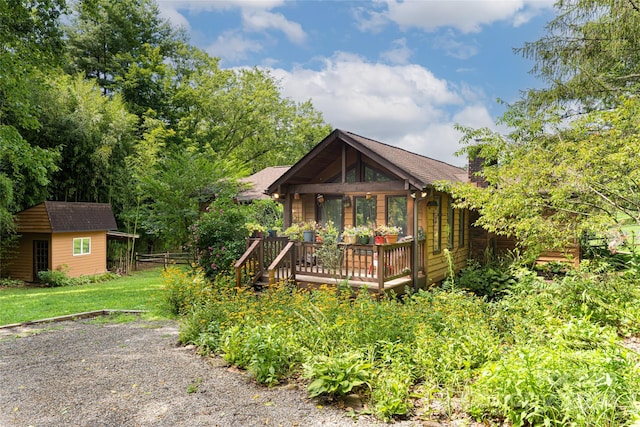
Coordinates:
[134,374]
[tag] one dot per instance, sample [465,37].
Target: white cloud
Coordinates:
[454,48]
[256,15]
[260,21]
[233,46]
[466,16]
[399,54]
[402,105]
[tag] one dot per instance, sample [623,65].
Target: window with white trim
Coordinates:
[81,246]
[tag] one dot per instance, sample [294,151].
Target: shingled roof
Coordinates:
[80,216]
[260,181]
[417,170]
[422,168]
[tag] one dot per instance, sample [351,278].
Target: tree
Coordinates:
[93,133]
[243,116]
[588,57]
[546,188]
[107,38]
[24,179]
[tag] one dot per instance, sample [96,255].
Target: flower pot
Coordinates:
[391,238]
[363,240]
[257,234]
[379,240]
[273,233]
[350,240]
[308,236]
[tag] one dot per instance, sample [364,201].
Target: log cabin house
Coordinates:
[70,237]
[351,180]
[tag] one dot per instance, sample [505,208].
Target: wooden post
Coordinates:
[261,258]
[380,249]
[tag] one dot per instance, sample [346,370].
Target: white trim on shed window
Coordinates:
[81,246]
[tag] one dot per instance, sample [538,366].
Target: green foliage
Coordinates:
[337,375]
[491,280]
[557,384]
[55,278]
[549,184]
[219,236]
[546,350]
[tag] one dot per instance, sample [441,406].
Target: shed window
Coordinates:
[82,246]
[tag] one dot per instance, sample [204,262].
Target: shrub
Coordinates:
[54,278]
[337,375]
[557,386]
[219,236]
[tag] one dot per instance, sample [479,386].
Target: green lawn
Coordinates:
[140,291]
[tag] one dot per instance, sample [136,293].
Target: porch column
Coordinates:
[415,251]
[288,206]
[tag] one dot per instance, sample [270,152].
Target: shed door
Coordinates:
[40,257]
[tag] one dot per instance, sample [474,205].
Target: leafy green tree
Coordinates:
[589,56]
[548,187]
[94,135]
[30,45]
[106,38]
[179,183]
[24,180]
[244,117]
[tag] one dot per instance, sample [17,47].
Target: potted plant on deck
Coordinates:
[364,234]
[350,235]
[255,230]
[390,233]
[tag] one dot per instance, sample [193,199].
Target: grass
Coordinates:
[140,291]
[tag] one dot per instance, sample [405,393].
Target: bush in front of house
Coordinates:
[56,278]
[219,237]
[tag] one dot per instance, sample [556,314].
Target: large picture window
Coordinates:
[397,212]
[365,211]
[82,246]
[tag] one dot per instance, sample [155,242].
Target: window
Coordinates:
[82,246]
[437,212]
[331,211]
[364,211]
[450,219]
[397,212]
[461,227]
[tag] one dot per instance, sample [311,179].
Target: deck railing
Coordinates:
[250,267]
[284,260]
[282,269]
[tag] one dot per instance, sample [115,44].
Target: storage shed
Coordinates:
[66,236]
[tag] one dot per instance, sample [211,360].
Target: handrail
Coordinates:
[253,252]
[275,265]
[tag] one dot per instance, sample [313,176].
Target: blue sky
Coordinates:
[401,72]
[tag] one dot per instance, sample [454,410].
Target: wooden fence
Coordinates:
[165,259]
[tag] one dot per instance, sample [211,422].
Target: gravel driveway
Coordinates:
[82,373]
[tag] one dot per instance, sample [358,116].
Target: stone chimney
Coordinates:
[476,164]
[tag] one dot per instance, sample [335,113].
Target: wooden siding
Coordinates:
[62,257]
[34,220]
[21,266]
[437,264]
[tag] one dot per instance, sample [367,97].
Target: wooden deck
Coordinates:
[379,268]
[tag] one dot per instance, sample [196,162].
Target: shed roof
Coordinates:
[80,216]
[260,181]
